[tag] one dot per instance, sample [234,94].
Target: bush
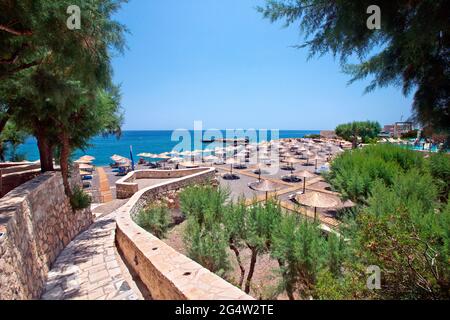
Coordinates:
[300,250]
[354,172]
[439,165]
[205,237]
[403,225]
[313,136]
[207,245]
[155,219]
[79,199]
[199,200]
[363,129]
[402,230]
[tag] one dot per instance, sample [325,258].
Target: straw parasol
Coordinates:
[347,203]
[260,169]
[263,186]
[163,155]
[231,162]
[185,153]
[305,174]
[85,173]
[148,155]
[309,155]
[189,164]
[175,159]
[86,158]
[83,161]
[116,158]
[317,200]
[210,158]
[85,166]
[291,161]
[316,158]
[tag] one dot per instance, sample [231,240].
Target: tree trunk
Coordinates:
[45,153]
[251,270]
[3,121]
[354,142]
[289,287]
[2,151]
[238,258]
[64,163]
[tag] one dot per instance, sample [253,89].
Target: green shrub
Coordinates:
[155,219]
[439,165]
[207,245]
[403,229]
[313,136]
[197,201]
[205,237]
[79,199]
[348,287]
[301,251]
[358,129]
[354,172]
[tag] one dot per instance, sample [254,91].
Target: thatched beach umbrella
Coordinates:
[188,164]
[85,167]
[86,158]
[317,200]
[175,159]
[292,161]
[309,155]
[316,158]
[85,173]
[163,155]
[81,161]
[260,169]
[305,174]
[210,158]
[263,186]
[147,155]
[116,158]
[232,162]
[185,153]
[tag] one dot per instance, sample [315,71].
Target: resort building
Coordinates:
[397,129]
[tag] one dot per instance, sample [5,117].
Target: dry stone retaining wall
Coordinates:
[36,222]
[14,174]
[126,186]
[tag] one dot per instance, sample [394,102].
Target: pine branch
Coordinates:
[16,32]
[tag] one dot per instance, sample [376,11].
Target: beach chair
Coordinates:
[122,171]
[293,195]
[87,184]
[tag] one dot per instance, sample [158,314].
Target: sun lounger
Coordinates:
[293,195]
[87,184]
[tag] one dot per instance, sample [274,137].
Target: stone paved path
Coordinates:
[89,268]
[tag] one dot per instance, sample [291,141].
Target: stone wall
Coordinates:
[126,186]
[9,164]
[166,273]
[36,223]
[12,180]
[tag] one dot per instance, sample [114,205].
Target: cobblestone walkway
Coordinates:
[89,268]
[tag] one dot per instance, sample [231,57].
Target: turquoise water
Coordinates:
[419,148]
[143,141]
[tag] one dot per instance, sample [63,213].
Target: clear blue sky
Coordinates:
[218,61]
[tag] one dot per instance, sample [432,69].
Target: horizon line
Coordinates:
[225,129]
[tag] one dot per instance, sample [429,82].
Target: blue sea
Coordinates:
[102,148]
